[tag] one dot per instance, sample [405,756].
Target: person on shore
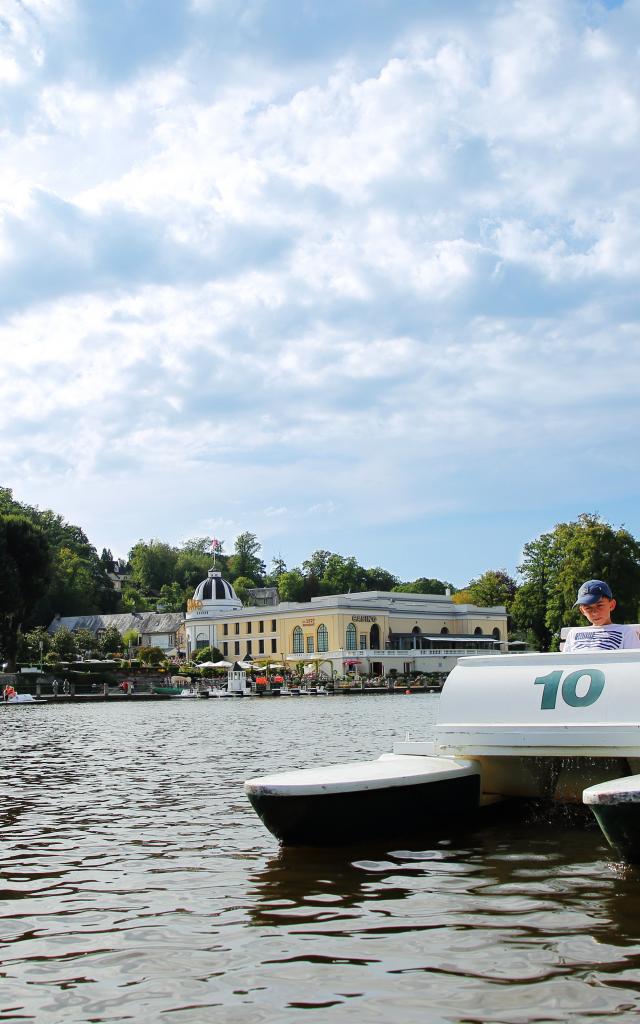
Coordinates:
[597,603]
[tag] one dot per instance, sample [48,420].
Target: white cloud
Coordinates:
[361,285]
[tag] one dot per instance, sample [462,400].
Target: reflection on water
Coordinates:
[137,883]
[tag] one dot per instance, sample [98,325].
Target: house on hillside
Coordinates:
[155,629]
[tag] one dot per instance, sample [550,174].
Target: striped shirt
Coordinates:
[601,638]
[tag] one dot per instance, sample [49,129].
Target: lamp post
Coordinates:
[41,650]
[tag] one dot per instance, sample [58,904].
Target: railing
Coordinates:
[405,655]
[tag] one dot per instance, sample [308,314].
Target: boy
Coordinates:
[596,602]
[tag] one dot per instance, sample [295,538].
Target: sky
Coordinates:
[360,275]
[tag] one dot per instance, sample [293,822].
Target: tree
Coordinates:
[278,566]
[29,649]
[538,569]
[133,600]
[242,585]
[152,564]
[25,571]
[63,644]
[342,575]
[425,586]
[380,579]
[172,598]
[494,587]
[555,565]
[130,638]
[86,641]
[291,586]
[192,567]
[150,655]
[245,560]
[207,654]
[110,641]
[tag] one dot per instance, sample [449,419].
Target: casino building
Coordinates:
[370,632]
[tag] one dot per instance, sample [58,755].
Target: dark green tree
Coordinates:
[246,561]
[153,563]
[25,571]
[342,575]
[555,565]
[242,585]
[494,587]
[172,598]
[379,579]
[291,586]
[425,586]
[63,644]
[111,641]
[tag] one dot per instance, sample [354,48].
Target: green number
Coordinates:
[570,684]
[569,691]
[550,692]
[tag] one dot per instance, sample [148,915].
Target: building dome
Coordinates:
[213,595]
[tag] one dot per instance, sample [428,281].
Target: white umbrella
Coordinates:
[221,664]
[211,664]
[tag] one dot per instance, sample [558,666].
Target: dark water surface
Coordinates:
[137,884]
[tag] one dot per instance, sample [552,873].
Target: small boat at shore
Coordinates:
[23,700]
[556,728]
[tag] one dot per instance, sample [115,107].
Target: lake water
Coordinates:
[138,885]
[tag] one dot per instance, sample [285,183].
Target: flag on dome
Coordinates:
[216,545]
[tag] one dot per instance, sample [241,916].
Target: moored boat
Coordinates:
[22,700]
[534,726]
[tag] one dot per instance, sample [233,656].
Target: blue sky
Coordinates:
[349,274]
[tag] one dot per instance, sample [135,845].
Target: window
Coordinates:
[309,645]
[225,629]
[444,631]
[323,638]
[477,631]
[261,626]
[260,646]
[363,641]
[351,637]
[201,644]
[298,641]
[249,651]
[273,625]
[495,633]
[236,647]
[225,649]
[249,626]
[274,646]
[236,627]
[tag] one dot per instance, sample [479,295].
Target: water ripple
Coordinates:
[136,883]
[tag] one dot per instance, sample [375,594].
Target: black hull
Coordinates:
[339,818]
[620,824]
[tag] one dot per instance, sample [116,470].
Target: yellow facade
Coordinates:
[353,623]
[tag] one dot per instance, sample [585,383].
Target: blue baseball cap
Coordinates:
[592,591]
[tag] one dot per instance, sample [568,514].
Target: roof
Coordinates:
[142,622]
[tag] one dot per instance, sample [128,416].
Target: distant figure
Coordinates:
[596,602]
[54,687]
[65,686]
[9,692]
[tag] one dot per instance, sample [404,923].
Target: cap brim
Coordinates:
[589,599]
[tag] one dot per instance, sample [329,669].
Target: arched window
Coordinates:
[444,631]
[323,638]
[298,641]
[351,637]
[477,631]
[496,633]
